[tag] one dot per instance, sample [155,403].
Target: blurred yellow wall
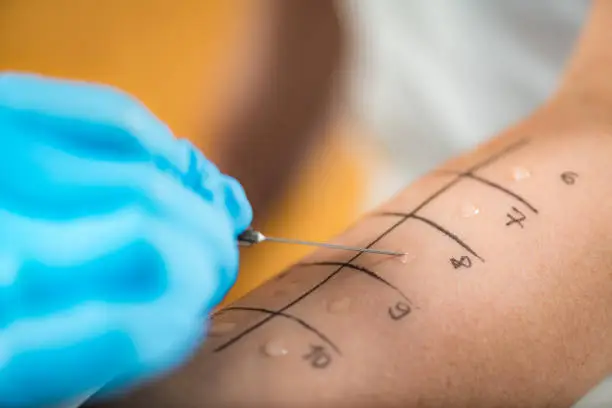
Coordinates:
[178,57]
[167,53]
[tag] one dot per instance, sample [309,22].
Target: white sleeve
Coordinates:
[432,78]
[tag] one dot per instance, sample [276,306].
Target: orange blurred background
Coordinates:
[192,62]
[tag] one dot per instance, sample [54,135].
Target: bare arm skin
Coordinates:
[507,306]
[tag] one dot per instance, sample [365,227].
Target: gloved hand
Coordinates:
[115,240]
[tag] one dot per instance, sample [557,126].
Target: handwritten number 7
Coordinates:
[515,217]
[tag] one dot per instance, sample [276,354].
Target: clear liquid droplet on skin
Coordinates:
[339,305]
[404,258]
[275,348]
[520,173]
[221,328]
[469,210]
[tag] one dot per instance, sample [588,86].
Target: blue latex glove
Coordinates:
[115,239]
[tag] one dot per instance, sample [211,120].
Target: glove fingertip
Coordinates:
[13,86]
[237,205]
[222,281]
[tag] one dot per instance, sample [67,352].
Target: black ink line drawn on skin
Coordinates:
[492,184]
[502,189]
[286,316]
[439,228]
[503,152]
[510,148]
[361,269]
[458,175]
[303,295]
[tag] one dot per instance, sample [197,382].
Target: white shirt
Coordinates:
[434,78]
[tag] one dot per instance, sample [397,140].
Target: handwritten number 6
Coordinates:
[569,177]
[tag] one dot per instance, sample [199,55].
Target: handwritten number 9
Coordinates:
[399,310]
[569,177]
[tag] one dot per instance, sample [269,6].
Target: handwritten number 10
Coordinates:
[318,357]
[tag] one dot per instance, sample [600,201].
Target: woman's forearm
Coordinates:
[586,88]
[502,300]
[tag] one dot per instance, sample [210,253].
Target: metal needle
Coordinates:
[250,237]
[333,246]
